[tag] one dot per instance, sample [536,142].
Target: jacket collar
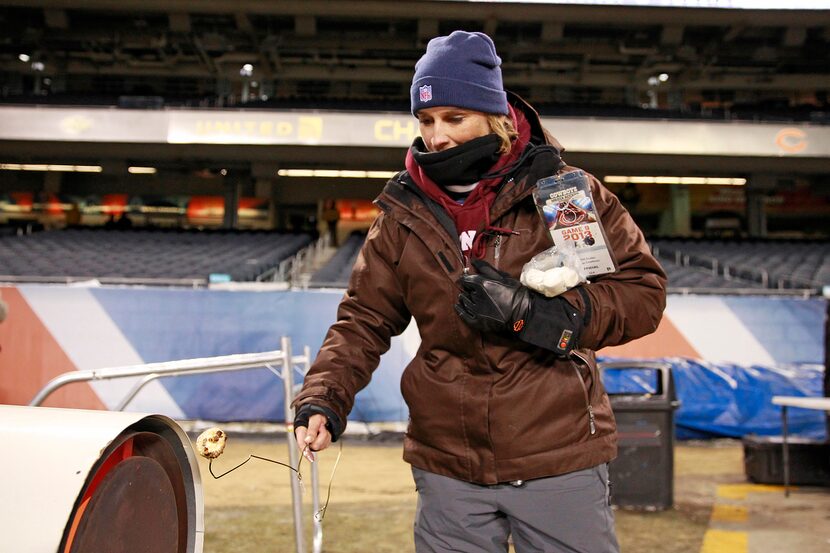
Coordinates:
[539,134]
[412,207]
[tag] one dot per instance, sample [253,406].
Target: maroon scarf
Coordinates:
[472,218]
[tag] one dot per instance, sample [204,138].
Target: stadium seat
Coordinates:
[783,264]
[147,254]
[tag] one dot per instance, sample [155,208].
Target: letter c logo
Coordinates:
[791,140]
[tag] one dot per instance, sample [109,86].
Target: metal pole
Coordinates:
[146,379]
[293,453]
[317,524]
[167,368]
[153,376]
[785,451]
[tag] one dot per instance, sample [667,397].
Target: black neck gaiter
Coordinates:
[464,164]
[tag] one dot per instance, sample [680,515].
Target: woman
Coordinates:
[510,428]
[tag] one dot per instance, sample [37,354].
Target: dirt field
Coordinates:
[373,500]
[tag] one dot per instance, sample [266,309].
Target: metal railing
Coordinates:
[280,362]
[305,261]
[289,268]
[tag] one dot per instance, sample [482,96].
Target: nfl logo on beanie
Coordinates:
[459,70]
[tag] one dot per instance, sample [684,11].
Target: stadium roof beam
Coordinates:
[207,65]
[794,37]
[305,25]
[672,35]
[243,23]
[504,11]
[179,22]
[490,25]
[735,78]
[182,49]
[427,28]
[56,18]
[552,31]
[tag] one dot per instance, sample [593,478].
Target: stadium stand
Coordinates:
[776,264]
[335,273]
[700,279]
[691,265]
[147,254]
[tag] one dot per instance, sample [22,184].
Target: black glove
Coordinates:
[492,301]
[304,413]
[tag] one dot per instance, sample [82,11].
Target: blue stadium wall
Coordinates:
[730,354]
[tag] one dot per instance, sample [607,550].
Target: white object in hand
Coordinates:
[551,282]
[533,278]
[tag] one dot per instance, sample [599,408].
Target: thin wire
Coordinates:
[252,456]
[318,516]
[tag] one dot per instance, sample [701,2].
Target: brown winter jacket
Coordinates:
[485,408]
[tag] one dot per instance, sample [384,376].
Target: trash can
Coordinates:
[643,398]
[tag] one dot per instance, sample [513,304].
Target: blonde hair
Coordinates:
[502,126]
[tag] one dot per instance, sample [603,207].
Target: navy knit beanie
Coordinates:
[460,70]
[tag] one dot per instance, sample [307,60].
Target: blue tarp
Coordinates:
[727,400]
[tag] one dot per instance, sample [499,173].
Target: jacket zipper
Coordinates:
[497,253]
[590,408]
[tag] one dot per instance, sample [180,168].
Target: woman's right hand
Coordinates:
[314,438]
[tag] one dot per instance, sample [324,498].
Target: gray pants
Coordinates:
[570,513]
